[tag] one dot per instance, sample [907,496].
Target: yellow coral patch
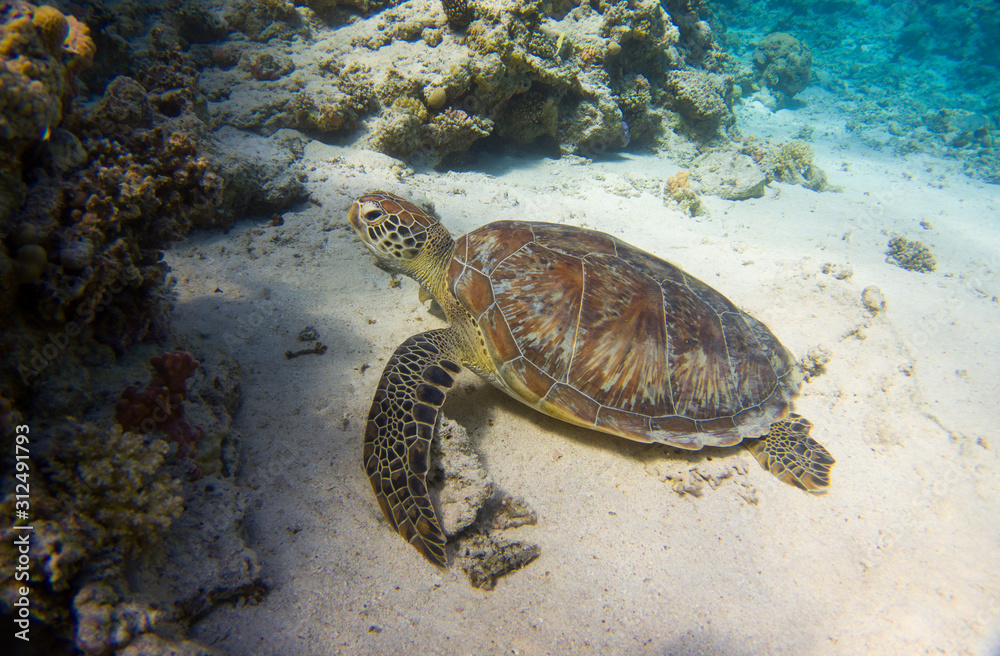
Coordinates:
[52,26]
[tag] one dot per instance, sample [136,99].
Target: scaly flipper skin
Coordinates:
[401,425]
[795,458]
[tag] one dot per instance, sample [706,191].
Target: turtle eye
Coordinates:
[373,215]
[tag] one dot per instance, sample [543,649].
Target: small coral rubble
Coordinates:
[158,407]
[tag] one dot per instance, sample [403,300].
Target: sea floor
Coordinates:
[901,556]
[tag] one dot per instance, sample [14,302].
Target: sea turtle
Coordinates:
[582,327]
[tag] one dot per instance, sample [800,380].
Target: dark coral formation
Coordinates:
[267,68]
[528,116]
[100,491]
[101,496]
[910,254]
[159,407]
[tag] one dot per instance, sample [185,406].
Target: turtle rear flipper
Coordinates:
[401,425]
[795,458]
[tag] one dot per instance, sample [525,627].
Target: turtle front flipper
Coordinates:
[790,454]
[398,436]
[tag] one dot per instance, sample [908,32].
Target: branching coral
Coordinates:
[159,407]
[791,161]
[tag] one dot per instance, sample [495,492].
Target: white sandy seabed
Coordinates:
[902,556]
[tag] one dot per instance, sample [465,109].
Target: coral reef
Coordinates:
[341,11]
[528,116]
[262,20]
[910,254]
[918,61]
[783,63]
[582,79]
[194,23]
[104,225]
[159,407]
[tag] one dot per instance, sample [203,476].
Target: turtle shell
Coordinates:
[601,334]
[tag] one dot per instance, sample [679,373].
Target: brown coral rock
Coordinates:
[783,63]
[52,26]
[696,95]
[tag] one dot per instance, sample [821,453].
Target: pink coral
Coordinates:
[159,406]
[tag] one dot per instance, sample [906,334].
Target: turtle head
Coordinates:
[402,236]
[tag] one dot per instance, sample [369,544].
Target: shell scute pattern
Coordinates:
[601,334]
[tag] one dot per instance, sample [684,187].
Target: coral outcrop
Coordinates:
[262,20]
[790,161]
[41,50]
[700,96]
[101,489]
[783,63]
[459,13]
